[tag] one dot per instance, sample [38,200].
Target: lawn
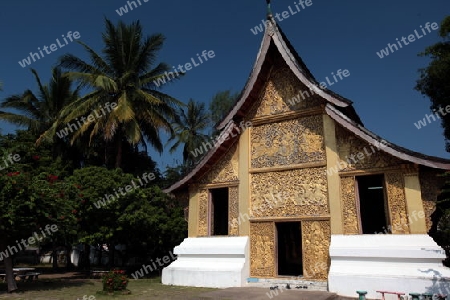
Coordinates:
[72,289]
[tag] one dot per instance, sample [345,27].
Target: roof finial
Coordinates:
[269,10]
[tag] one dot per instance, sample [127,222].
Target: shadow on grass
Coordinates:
[46,285]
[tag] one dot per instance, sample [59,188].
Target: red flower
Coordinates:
[36,157]
[52,178]
[74,211]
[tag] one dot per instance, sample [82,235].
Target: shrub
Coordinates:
[115,280]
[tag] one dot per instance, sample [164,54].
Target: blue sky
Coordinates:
[328,36]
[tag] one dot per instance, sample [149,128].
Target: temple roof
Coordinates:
[337,107]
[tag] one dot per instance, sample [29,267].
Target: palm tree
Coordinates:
[123,76]
[39,113]
[188,130]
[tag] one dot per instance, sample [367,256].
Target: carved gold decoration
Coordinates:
[287,143]
[283,93]
[233,211]
[316,242]
[430,185]
[262,249]
[357,154]
[226,169]
[349,208]
[203,213]
[395,185]
[300,192]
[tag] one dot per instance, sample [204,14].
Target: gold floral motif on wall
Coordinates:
[357,154]
[284,93]
[286,143]
[395,184]
[226,169]
[203,213]
[430,185]
[349,207]
[300,192]
[262,249]
[233,211]
[316,242]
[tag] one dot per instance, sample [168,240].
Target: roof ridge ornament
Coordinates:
[269,10]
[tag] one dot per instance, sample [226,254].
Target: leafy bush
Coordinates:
[115,280]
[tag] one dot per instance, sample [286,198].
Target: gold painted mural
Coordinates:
[289,142]
[430,185]
[316,242]
[395,185]
[203,213]
[357,154]
[226,169]
[284,93]
[262,249]
[233,211]
[300,192]
[349,206]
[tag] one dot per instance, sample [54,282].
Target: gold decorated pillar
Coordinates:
[414,205]
[333,180]
[244,183]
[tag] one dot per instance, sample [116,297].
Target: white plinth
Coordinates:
[398,263]
[217,262]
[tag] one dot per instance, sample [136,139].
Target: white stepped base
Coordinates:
[398,263]
[217,262]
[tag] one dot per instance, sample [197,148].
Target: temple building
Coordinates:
[297,190]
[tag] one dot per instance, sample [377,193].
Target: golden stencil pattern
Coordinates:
[430,185]
[395,184]
[225,169]
[300,192]
[262,249]
[286,143]
[283,93]
[233,211]
[203,213]
[316,242]
[349,208]
[349,147]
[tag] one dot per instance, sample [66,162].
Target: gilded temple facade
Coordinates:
[302,170]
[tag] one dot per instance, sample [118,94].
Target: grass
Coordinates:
[65,289]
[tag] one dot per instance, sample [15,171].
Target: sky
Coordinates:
[328,35]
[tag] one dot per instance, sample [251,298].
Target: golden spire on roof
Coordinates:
[269,9]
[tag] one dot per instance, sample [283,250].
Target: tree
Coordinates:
[39,113]
[221,104]
[434,79]
[434,83]
[188,131]
[123,79]
[32,196]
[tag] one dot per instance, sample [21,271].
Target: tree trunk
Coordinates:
[99,260]
[86,258]
[54,255]
[111,248]
[12,285]
[69,264]
[119,150]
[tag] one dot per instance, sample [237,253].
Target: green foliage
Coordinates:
[434,80]
[123,75]
[221,104]
[115,280]
[33,192]
[189,131]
